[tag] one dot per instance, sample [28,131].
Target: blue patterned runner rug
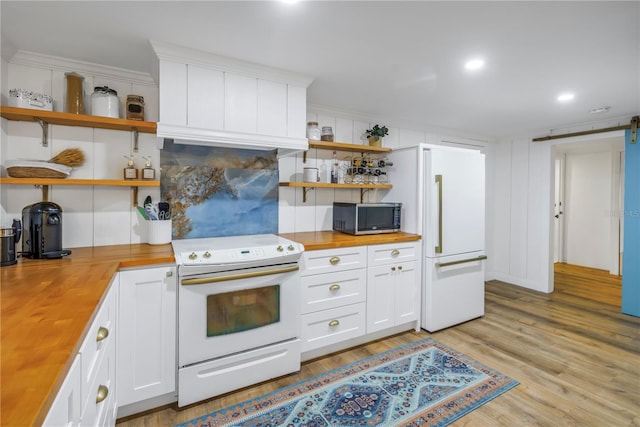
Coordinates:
[424,383]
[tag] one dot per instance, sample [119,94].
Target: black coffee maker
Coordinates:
[42,231]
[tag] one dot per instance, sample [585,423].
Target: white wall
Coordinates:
[520,245]
[316,213]
[92,216]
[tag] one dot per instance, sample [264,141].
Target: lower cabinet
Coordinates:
[333,296]
[88,394]
[393,285]
[147,339]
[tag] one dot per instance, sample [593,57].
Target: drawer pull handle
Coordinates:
[334,323]
[103,333]
[395,252]
[334,260]
[334,287]
[103,392]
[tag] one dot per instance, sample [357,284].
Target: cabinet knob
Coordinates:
[334,322]
[399,267]
[395,252]
[334,260]
[103,392]
[103,333]
[334,287]
[393,269]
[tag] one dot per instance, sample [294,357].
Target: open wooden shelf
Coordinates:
[69,119]
[306,186]
[46,182]
[343,146]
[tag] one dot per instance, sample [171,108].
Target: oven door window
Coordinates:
[242,310]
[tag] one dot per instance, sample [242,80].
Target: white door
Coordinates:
[454,222]
[558,210]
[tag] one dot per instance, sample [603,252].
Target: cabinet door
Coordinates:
[147,343]
[380,298]
[407,297]
[66,407]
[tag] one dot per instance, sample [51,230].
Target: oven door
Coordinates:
[233,311]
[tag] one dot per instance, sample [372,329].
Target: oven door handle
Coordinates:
[205,280]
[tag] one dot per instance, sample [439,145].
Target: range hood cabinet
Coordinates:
[216,101]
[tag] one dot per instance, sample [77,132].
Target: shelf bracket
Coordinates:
[135,140]
[134,196]
[45,191]
[304,156]
[362,191]
[45,132]
[304,193]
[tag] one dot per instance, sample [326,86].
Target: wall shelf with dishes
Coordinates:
[340,146]
[44,118]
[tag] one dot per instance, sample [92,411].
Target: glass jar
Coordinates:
[104,102]
[313,131]
[75,93]
[327,134]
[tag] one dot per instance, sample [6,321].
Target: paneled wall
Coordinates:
[92,216]
[316,213]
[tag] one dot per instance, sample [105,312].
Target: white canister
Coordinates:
[310,175]
[104,102]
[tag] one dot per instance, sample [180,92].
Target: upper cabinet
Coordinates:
[206,99]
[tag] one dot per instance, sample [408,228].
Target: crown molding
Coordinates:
[57,63]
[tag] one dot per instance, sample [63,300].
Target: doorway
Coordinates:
[588,201]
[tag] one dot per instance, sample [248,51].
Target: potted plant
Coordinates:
[375,135]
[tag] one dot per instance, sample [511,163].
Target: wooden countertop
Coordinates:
[314,240]
[46,307]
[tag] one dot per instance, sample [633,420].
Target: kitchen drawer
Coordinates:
[331,290]
[332,326]
[329,260]
[97,413]
[100,337]
[393,252]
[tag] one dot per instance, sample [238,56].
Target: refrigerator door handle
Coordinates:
[462,261]
[439,182]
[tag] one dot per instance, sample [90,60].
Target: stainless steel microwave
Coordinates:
[366,218]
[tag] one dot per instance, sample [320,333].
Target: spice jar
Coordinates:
[135,107]
[327,134]
[313,131]
[75,94]
[104,102]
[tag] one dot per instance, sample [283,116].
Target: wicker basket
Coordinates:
[34,172]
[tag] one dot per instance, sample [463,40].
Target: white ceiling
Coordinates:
[401,61]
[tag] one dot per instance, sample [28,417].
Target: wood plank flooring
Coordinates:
[577,358]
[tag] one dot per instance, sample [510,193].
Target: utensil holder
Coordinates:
[159,232]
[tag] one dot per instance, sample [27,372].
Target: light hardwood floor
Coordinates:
[577,358]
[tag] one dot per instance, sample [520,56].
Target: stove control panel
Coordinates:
[232,256]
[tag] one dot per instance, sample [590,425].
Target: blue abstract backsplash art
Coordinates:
[216,191]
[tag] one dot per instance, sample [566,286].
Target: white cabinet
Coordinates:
[88,394]
[65,410]
[393,285]
[98,361]
[222,101]
[333,296]
[147,339]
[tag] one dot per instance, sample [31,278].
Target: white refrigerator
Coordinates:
[442,190]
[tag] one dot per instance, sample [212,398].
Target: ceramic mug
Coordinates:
[310,175]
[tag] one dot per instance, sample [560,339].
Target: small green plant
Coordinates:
[377,132]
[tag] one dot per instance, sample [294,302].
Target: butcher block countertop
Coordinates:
[46,309]
[314,240]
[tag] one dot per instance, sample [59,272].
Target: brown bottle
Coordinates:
[75,93]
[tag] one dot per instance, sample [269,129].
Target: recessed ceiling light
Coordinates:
[289,1]
[474,64]
[564,97]
[600,110]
